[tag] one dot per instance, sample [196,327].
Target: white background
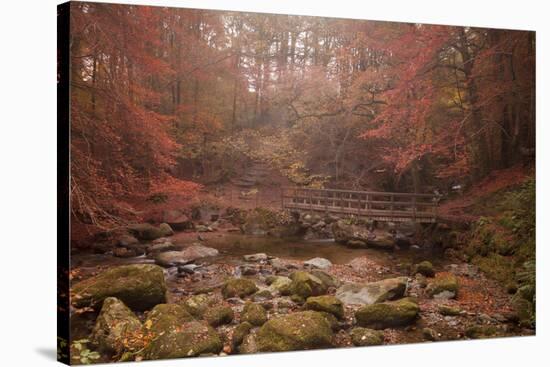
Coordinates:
[28,181]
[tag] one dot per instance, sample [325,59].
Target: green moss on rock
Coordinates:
[449,310]
[238,287]
[362,337]
[166,316]
[328,304]
[139,286]
[306,285]
[240,332]
[115,323]
[387,314]
[197,304]
[297,331]
[254,314]
[145,231]
[191,339]
[425,268]
[219,315]
[443,287]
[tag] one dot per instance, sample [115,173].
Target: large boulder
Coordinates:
[329,304]
[387,314]
[238,287]
[164,317]
[443,287]
[362,337]
[296,331]
[254,313]
[115,326]
[139,286]
[219,315]
[327,279]
[185,256]
[305,285]
[280,284]
[190,339]
[375,292]
[197,304]
[145,231]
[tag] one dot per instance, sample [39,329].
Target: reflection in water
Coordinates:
[233,247]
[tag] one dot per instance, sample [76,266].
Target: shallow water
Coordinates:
[234,246]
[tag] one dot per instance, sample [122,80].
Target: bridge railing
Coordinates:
[383,206]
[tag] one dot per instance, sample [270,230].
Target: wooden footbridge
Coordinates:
[379,206]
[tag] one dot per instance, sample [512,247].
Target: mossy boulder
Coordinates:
[327,279]
[254,314]
[296,331]
[305,285]
[374,292]
[280,284]
[219,315]
[449,310]
[139,286]
[240,332]
[166,316]
[238,287]
[481,331]
[328,304]
[425,268]
[115,324]
[363,337]
[145,231]
[444,287]
[191,339]
[387,314]
[197,304]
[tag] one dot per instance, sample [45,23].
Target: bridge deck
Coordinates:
[380,206]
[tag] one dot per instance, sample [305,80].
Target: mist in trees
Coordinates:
[167,99]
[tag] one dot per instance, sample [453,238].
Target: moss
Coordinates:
[443,285]
[387,314]
[165,316]
[219,315]
[254,314]
[362,337]
[327,279]
[425,268]
[328,304]
[280,284]
[496,267]
[297,331]
[240,332]
[191,339]
[296,298]
[306,285]
[238,287]
[197,304]
[115,323]
[449,310]
[481,331]
[139,286]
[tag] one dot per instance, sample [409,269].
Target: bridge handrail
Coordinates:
[387,193]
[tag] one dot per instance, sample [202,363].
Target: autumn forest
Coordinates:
[407,152]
